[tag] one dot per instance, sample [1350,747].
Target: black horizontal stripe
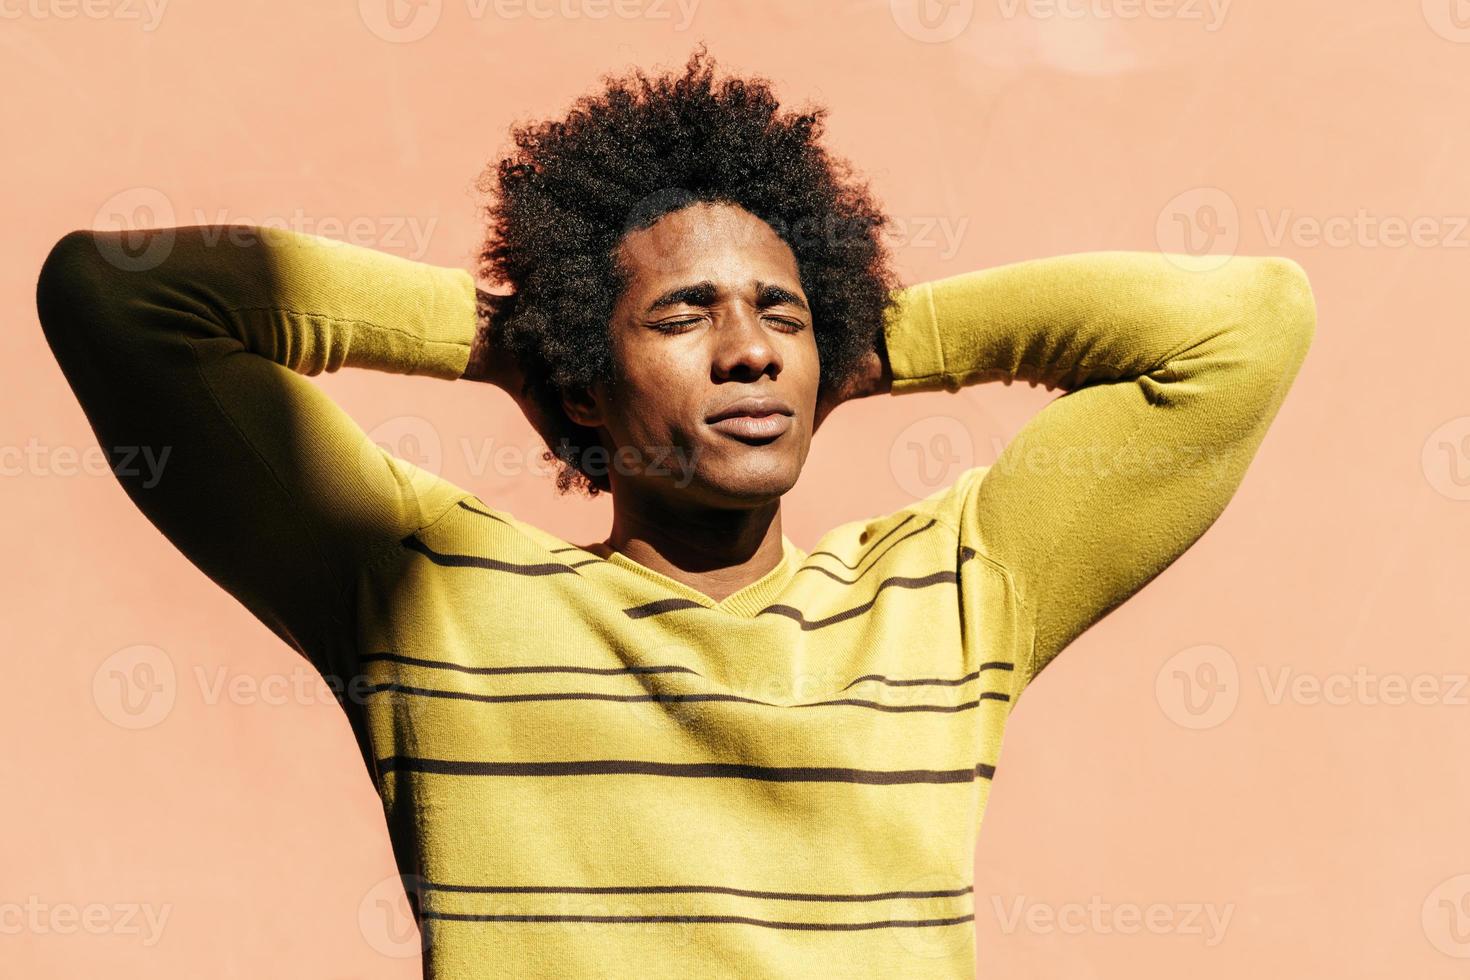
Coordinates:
[591,559]
[871,548]
[894,582]
[689,889]
[483,513]
[853,581]
[413,543]
[697,770]
[938,681]
[430,692]
[400,658]
[661,606]
[879,706]
[685,919]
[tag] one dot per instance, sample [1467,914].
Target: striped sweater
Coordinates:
[588,768]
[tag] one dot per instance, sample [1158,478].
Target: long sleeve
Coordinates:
[188,347]
[1173,367]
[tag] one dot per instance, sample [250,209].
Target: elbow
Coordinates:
[67,277]
[88,278]
[71,251]
[63,255]
[1290,307]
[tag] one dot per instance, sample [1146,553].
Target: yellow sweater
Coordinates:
[588,768]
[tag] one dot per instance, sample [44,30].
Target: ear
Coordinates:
[582,407]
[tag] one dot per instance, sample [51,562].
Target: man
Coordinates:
[691,749]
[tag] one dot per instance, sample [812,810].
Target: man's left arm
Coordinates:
[1172,367]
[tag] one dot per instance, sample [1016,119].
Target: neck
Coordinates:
[716,551]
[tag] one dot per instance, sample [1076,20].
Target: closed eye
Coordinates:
[683,326]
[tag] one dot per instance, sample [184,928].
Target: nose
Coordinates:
[743,347]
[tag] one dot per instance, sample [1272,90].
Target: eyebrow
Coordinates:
[704,293]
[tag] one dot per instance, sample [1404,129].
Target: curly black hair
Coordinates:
[641,148]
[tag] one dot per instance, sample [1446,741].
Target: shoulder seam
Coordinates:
[339,585]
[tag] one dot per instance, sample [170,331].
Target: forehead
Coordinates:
[706,241]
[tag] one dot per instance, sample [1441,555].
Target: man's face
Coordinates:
[714,314]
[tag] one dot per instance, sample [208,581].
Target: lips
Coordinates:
[753,418]
[752,427]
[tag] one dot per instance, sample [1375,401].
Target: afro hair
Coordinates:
[622,158]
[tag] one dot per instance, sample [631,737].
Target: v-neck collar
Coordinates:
[746,601]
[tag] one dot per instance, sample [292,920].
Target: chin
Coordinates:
[752,484]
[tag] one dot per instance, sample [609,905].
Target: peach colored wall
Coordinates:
[1166,807]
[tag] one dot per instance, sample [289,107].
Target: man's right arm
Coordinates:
[191,343]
